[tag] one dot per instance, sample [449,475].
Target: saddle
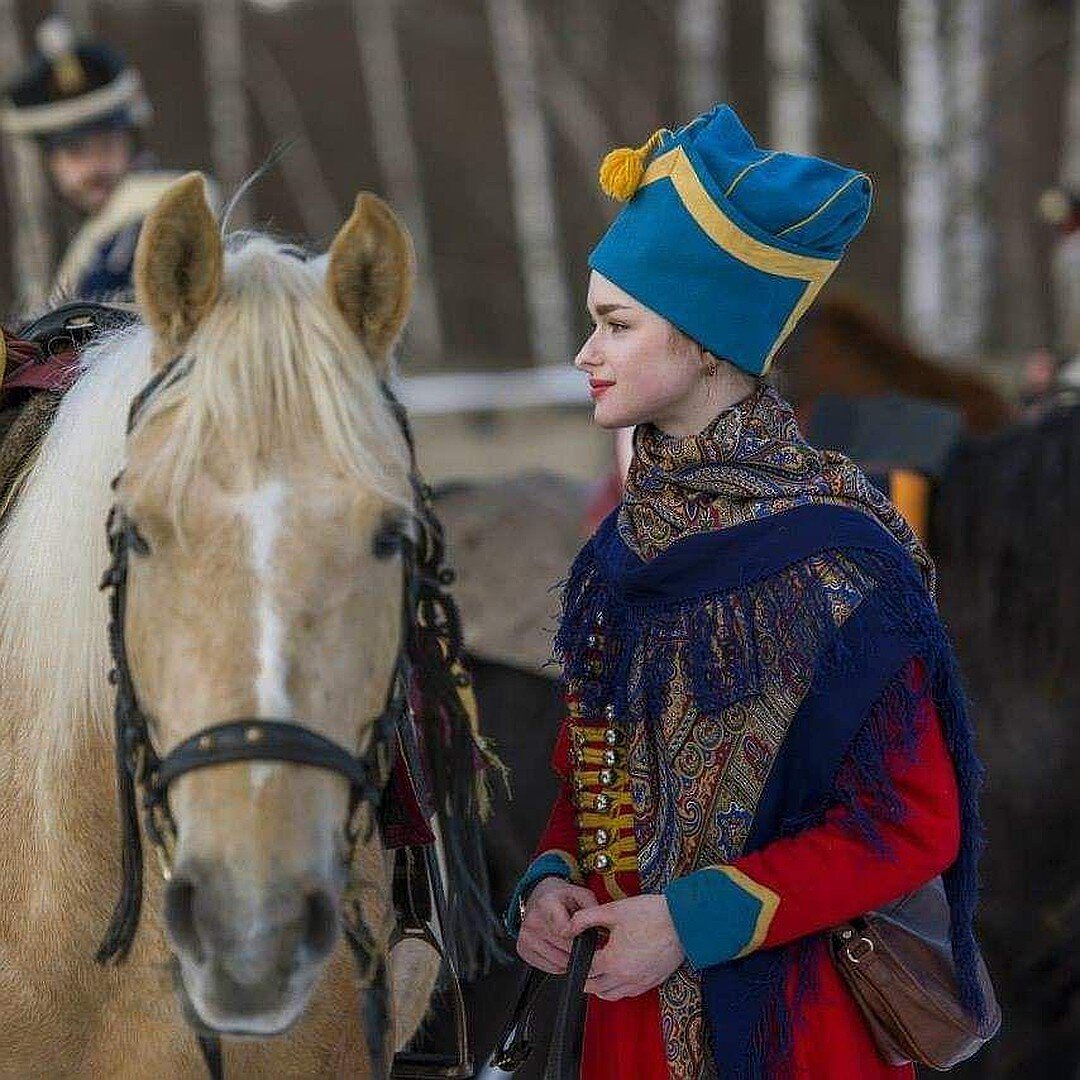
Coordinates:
[39,363]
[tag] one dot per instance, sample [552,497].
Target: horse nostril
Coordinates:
[321,927]
[180,918]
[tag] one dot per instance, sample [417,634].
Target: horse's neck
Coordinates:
[58,806]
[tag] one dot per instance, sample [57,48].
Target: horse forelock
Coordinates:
[272,370]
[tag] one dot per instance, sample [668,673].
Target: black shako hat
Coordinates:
[72,88]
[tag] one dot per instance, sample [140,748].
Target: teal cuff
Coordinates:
[550,864]
[715,918]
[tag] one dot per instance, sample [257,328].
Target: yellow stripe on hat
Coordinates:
[676,167]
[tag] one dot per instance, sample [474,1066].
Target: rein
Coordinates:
[431,636]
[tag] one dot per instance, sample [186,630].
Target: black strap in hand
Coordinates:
[564,1058]
[515,1044]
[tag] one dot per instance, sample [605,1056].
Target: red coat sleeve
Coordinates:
[828,873]
[561,831]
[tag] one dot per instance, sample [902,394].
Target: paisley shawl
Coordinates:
[760,599]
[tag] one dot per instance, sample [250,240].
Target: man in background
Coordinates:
[85,107]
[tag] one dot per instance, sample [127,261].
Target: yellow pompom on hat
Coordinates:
[623,168]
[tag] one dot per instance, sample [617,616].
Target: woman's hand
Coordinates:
[642,949]
[545,937]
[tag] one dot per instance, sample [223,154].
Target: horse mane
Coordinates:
[273,368]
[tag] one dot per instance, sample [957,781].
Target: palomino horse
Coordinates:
[270,490]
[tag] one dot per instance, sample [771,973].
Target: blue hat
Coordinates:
[729,242]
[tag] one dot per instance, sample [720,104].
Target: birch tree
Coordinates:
[79,14]
[923,283]
[862,64]
[701,28]
[1070,157]
[304,176]
[574,110]
[532,181]
[791,47]
[969,262]
[28,195]
[399,163]
[222,40]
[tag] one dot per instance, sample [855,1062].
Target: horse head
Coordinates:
[269,486]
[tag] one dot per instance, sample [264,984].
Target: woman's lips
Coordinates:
[598,386]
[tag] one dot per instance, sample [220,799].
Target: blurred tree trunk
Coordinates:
[792,51]
[1070,153]
[923,283]
[283,118]
[574,110]
[399,163]
[969,263]
[79,14]
[862,64]
[532,181]
[222,40]
[1066,257]
[701,29]
[28,194]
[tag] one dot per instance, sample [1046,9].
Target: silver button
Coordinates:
[602,837]
[611,736]
[603,803]
[609,757]
[602,862]
[607,776]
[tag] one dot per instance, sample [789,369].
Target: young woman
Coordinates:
[765,733]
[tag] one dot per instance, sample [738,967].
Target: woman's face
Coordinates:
[640,368]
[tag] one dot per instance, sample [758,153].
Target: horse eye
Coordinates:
[388,541]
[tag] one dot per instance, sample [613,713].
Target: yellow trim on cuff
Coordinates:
[676,166]
[769,900]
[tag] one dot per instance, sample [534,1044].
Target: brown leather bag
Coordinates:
[898,965]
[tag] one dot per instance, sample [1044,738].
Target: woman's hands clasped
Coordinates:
[642,947]
[545,937]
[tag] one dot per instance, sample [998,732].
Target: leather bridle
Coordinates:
[145,776]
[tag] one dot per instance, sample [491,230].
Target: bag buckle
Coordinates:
[856,949]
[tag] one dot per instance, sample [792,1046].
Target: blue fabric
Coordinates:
[546,865]
[109,275]
[713,916]
[797,204]
[857,711]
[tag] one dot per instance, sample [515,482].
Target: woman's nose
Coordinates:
[586,355]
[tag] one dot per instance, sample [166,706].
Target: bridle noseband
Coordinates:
[430,627]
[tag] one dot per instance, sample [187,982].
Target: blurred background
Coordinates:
[483,122]
[943,356]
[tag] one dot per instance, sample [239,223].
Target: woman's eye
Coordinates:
[617,326]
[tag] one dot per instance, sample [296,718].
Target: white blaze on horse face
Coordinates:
[264,510]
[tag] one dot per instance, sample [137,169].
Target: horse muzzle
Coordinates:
[249,956]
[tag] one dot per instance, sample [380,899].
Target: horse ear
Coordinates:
[370,275]
[178,262]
